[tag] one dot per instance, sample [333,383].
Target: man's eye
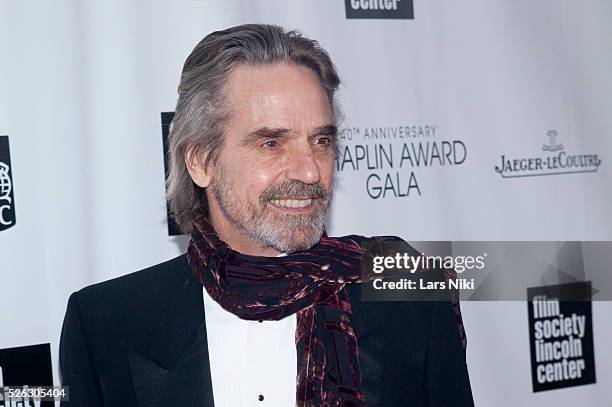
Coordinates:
[324,141]
[270,144]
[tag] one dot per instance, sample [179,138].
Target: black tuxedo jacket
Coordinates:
[140,340]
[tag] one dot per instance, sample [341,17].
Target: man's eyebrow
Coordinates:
[277,132]
[268,132]
[327,130]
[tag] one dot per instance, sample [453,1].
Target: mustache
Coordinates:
[294,189]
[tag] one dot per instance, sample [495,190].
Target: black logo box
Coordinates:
[7,214]
[385,9]
[580,304]
[27,365]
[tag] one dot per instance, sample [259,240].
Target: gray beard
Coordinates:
[283,232]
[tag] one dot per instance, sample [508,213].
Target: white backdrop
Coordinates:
[82,85]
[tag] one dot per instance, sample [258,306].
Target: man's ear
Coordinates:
[194,160]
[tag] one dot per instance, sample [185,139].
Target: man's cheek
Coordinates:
[258,184]
[262,177]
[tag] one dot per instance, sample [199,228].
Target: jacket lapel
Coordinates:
[170,364]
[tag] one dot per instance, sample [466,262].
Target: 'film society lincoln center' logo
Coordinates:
[394,9]
[7,201]
[556,161]
[561,336]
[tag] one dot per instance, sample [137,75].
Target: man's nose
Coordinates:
[303,166]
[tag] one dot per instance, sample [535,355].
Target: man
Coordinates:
[265,308]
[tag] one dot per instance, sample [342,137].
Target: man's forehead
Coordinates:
[278,96]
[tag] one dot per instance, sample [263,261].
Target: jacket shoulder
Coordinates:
[117,304]
[147,279]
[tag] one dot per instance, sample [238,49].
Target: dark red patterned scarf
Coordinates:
[310,284]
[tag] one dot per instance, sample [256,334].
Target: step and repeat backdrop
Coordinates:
[484,120]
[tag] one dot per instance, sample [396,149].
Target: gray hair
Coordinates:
[201,114]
